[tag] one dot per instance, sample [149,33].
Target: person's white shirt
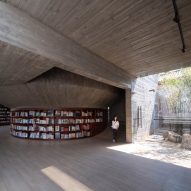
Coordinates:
[115,125]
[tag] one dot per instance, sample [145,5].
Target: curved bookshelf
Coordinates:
[57,124]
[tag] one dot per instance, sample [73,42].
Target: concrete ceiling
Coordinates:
[19,66]
[111,41]
[138,36]
[27,36]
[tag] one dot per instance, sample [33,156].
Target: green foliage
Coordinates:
[177,86]
[181,80]
[186,77]
[171,82]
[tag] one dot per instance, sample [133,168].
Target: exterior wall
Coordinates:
[143,94]
[129,120]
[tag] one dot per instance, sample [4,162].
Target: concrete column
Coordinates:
[129,124]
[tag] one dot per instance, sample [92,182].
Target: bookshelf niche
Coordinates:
[4,116]
[57,124]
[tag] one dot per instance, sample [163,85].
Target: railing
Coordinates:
[179,124]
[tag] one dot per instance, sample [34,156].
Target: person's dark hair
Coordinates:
[115,117]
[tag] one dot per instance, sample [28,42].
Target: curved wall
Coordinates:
[58,88]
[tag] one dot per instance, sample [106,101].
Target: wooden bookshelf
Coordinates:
[57,124]
[4,116]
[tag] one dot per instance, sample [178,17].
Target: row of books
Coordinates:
[41,128]
[4,112]
[4,115]
[77,121]
[4,119]
[99,114]
[32,128]
[68,121]
[76,135]
[77,113]
[87,114]
[72,135]
[19,114]
[20,128]
[51,128]
[69,128]
[33,121]
[98,120]
[5,122]
[41,121]
[47,121]
[20,120]
[59,113]
[49,113]
[56,113]
[39,135]
[93,120]
[4,109]
[20,134]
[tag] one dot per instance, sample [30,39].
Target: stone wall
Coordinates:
[143,94]
[186,141]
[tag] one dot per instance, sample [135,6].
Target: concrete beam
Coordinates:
[20,30]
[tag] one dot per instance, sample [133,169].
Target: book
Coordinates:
[57,128]
[57,135]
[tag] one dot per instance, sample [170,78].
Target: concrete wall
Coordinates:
[58,88]
[143,94]
[135,108]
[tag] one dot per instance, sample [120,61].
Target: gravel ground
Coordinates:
[158,149]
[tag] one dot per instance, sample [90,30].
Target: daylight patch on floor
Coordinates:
[158,149]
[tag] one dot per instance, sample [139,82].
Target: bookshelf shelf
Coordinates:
[4,116]
[57,124]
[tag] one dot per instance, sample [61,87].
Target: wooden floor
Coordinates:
[86,164]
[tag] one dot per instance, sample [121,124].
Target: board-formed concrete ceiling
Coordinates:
[138,36]
[116,39]
[24,35]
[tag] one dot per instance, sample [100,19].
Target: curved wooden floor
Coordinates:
[85,164]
